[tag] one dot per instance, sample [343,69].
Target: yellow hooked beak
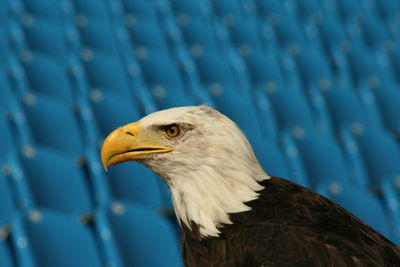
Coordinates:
[129,143]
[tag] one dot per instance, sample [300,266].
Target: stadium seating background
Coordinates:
[315,85]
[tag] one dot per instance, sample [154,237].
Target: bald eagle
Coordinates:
[231,212]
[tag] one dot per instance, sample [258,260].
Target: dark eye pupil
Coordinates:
[171,130]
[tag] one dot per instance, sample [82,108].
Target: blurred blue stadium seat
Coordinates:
[230,11]
[7,206]
[6,138]
[375,33]
[57,185]
[264,70]
[314,69]
[387,9]
[135,183]
[42,8]
[5,255]
[90,8]
[6,94]
[295,166]
[126,229]
[388,100]
[105,72]
[47,76]
[310,10]
[294,119]
[391,196]
[96,34]
[316,151]
[381,154]
[345,108]
[332,33]
[364,66]
[120,110]
[37,29]
[271,158]
[197,33]
[67,242]
[58,128]
[164,81]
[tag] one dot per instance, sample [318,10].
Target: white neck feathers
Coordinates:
[207,197]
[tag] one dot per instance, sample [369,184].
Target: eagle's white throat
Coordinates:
[212,170]
[207,197]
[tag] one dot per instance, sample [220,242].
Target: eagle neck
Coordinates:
[206,198]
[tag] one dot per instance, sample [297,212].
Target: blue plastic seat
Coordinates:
[391,197]
[3,46]
[231,12]
[105,72]
[53,124]
[44,9]
[264,70]
[360,203]
[136,183]
[395,62]
[296,118]
[246,37]
[44,29]
[294,163]
[91,8]
[141,9]
[387,9]
[270,157]
[120,111]
[198,36]
[49,77]
[58,184]
[265,112]
[388,99]
[216,75]
[350,9]
[162,76]
[375,33]
[190,8]
[142,237]
[310,9]
[364,67]
[6,93]
[332,33]
[47,238]
[6,138]
[7,206]
[274,9]
[290,34]
[345,108]
[144,28]
[381,154]
[6,259]
[314,69]
[97,34]
[147,35]
[322,159]
[287,28]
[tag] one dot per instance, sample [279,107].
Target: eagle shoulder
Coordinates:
[290,225]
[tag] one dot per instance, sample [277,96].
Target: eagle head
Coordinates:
[202,155]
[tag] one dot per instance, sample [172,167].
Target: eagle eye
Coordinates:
[172,131]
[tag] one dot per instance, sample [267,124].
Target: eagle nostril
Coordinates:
[129,133]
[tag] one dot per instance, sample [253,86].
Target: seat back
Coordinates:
[53,239]
[144,238]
